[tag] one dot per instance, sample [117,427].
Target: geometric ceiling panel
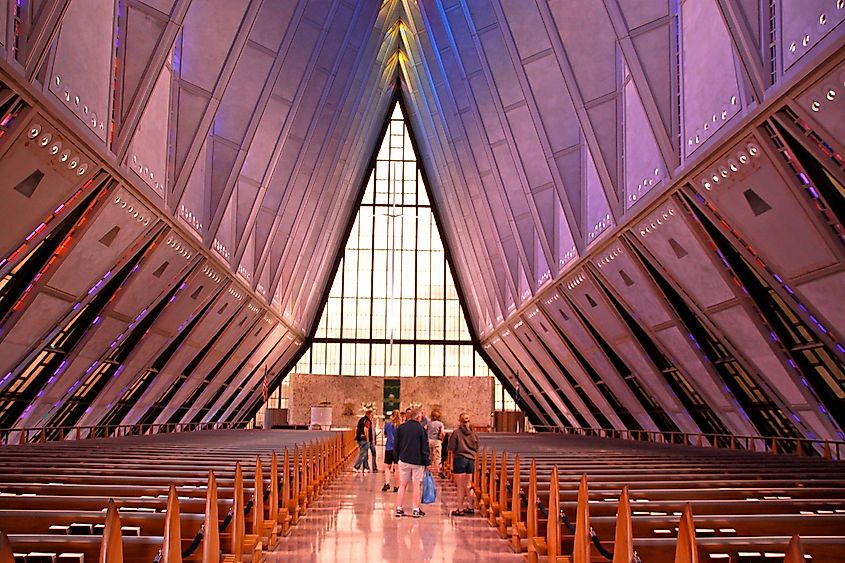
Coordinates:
[652,44]
[710,78]
[644,167]
[147,154]
[81,73]
[546,131]
[805,24]
[598,217]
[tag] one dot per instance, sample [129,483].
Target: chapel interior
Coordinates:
[610,233]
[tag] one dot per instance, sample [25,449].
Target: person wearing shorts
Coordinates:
[390,460]
[463,443]
[414,456]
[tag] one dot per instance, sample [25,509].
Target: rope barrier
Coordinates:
[566,522]
[194,544]
[226,521]
[542,508]
[601,549]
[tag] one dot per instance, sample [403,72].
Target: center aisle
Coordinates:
[354,521]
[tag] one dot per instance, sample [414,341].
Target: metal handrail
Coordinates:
[829,449]
[27,435]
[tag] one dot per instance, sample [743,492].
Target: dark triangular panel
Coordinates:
[28,185]
[223,156]
[654,50]
[679,250]
[757,204]
[626,279]
[141,35]
[108,238]
[160,270]
[191,106]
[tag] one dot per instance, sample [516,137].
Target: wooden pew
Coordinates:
[138,471]
[739,494]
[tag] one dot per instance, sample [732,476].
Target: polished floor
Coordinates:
[354,521]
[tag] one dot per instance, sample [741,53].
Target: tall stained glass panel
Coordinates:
[393,308]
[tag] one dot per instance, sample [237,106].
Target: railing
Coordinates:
[829,449]
[10,436]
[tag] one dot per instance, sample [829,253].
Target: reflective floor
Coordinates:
[354,521]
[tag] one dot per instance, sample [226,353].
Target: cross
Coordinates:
[392,213]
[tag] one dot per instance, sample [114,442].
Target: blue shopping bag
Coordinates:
[429,488]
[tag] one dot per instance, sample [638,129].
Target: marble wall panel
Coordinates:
[452,395]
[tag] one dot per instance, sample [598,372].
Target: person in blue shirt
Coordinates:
[390,459]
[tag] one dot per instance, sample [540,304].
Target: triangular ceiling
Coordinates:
[251,122]
[556,135]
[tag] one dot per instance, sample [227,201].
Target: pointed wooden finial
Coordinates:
[284,494]
[111,549]
[7,554]
[794,551]
[581,553]
[553,524]
[686,550]
[238,526]
[258,500]
[515,484]
[531,509]
[274,488]
[623,543]
[211,533]
[171,551]
[503,483]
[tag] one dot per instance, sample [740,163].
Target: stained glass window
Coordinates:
[393,309]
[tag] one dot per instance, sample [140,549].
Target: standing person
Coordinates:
[364,435]
[434,430]
[390,460]
[373,449]
[414,457]
[463,443]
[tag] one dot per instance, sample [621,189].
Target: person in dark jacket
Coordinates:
[463,443]
[414,456]
[364,435]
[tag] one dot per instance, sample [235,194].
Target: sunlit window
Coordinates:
[502,400]
[393,309]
